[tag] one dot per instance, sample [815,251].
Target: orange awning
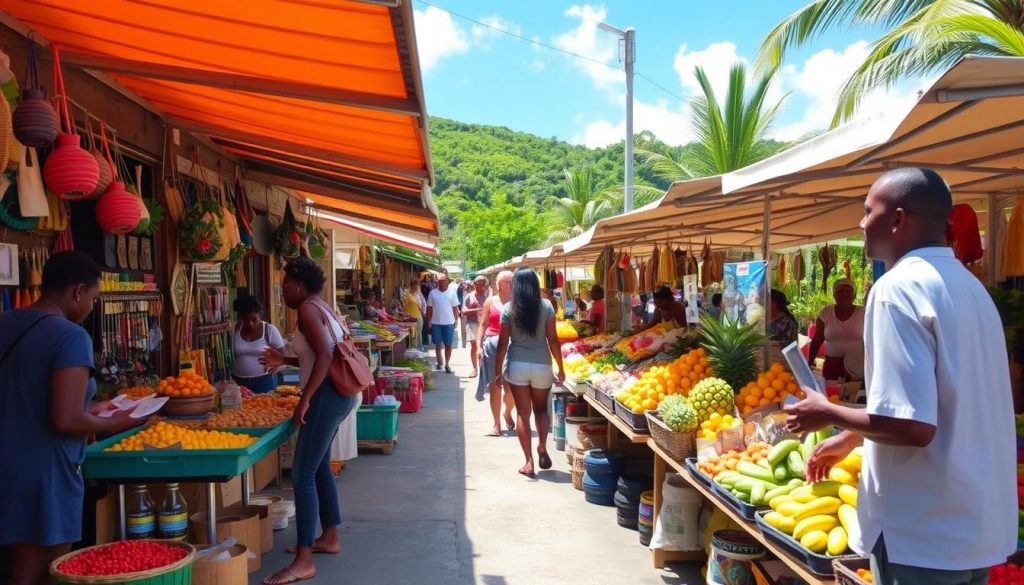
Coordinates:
[324,94]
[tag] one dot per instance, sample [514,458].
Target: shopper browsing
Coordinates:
[471,306]
[414,305]
[442,313]
[529,340]
[487,340]
[939,417]
[46,363]
[252,337]
[317,415]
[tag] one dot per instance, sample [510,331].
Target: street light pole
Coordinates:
[628,58]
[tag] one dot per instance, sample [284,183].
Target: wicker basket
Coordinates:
[178,573]
[846,571]
[678,445]
[577,479]
[189,405]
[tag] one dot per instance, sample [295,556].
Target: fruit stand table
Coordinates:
[209,466]
[389,346]
[662,461]
[616,424]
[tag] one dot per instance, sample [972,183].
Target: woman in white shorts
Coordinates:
[529,341]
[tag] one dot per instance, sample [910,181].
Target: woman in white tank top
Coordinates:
[318,415]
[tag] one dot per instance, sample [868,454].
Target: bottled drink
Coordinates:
[172,519]
[141,514]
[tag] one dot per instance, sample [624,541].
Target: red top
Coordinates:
[596,315]
[494,319]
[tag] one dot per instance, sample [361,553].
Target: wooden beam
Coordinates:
[234,81]
[227,134]
[273,176]
[374,220]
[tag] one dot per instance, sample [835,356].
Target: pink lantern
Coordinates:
[117,210]
[70,171]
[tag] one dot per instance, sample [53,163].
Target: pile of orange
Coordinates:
[163,435]
[658,382]
[256,412]
[754,453]
[136,392]
[772,385]
[187,384]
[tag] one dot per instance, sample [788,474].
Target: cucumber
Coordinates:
[780,472]
[744,485]
[777,454]
[779,491]
[727,477]
[795,464]
[756,471]
[743,497]
[810,442]
[757,493]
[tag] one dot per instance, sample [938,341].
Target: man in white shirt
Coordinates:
[937,490]
[442,312]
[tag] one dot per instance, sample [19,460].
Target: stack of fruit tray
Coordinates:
[816,563]
[691,466]
[637,422]
[152,464]
[606,400]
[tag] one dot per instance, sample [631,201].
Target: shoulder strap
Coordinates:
[22,335]
[328,318]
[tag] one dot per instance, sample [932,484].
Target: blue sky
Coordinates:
[475,74]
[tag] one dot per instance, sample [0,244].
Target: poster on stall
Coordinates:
[745,293]
[691,294]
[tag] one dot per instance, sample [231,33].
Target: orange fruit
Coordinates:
[776,368]
[770,393]
[778,384]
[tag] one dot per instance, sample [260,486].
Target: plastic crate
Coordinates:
[606,400]
[696,473]
[377,423]
[846,570]
[818,564]
[180,464]
[742,508]
[405,386]
[637,422]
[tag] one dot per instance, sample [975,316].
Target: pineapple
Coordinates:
[732,350]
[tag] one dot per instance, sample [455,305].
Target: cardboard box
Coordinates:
[264,472]
[106,518]
[266,528]
[287,450]
[231,571]
[234,521]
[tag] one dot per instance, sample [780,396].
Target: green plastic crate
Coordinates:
[377,423]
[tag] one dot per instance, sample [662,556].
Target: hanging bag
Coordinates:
[202,231]
[34,120]
[350,372]
[31,194]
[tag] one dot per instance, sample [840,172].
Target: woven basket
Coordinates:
[678,445]
[140,576]
[846,571]
[577,479]
[6,133]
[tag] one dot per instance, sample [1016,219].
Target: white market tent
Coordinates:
[969,126]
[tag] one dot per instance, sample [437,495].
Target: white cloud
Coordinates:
[438,36]
[595,44]
[537,65]
[669,124]
[483,36]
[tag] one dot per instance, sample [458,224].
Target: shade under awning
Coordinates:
[318,96]
[378,233]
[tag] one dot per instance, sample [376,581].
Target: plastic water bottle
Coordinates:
[172,520]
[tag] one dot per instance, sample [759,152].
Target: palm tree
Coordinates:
[924,36]
[582,206]
[737,136]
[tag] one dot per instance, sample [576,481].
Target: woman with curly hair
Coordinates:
[529,340]
[317,415]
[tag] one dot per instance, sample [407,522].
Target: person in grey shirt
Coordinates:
[529,341]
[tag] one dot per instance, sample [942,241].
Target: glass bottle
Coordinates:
[141,514]
[172,519]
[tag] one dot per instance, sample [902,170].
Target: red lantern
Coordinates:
[70,171]
[117,210]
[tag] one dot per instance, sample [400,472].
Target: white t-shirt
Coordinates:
[246,363]
[442,303]
[841,337]
[935,353]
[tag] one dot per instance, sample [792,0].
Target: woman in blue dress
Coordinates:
[46,385]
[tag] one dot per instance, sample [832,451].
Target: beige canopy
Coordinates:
[969,126]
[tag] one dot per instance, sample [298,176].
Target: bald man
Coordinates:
[939,416]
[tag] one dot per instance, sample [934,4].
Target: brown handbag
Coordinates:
[350,371]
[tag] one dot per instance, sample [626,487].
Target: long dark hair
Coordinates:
[526,301]
[780,300]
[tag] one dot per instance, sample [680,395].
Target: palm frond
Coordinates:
[664,166]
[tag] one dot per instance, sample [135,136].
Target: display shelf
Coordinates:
[617,423]
[662,461]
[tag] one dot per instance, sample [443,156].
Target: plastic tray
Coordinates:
[739,506]
[606,400]
[590,391]
[171,464]
[700,476]
[638,422]
[818,564]
[377,423]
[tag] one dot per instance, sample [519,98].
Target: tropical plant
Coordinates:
[581,207]
[737,136]
[923,36]
[731,349]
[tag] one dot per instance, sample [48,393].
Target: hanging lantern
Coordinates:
[117,210]
[105,176]
[34,120]
[70,171]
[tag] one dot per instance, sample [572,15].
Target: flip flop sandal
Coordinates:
[290,577]
[448,369]
[493,434]
[544,460]
[317,551]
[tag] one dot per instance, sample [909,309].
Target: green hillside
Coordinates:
[491,184]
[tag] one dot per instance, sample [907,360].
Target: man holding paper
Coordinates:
[937,488]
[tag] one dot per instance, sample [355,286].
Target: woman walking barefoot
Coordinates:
[487,339]
[318,415]
[528,337]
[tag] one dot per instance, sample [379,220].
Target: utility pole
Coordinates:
[627,58]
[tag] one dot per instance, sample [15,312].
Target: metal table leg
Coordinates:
[122,513]
[246,487]
[211,513]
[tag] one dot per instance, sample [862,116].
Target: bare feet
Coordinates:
[527,469]
[495,432]
[511,424]
[326,544]
[289,574]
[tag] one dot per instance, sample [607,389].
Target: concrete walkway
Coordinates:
[448,508]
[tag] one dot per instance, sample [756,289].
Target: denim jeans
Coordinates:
[259,384]
[316,495]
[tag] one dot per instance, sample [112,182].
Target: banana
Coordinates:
[815,541]
[848,494]
[848,519]
[837,541]
[823,522]
[842,476]
[824,505]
